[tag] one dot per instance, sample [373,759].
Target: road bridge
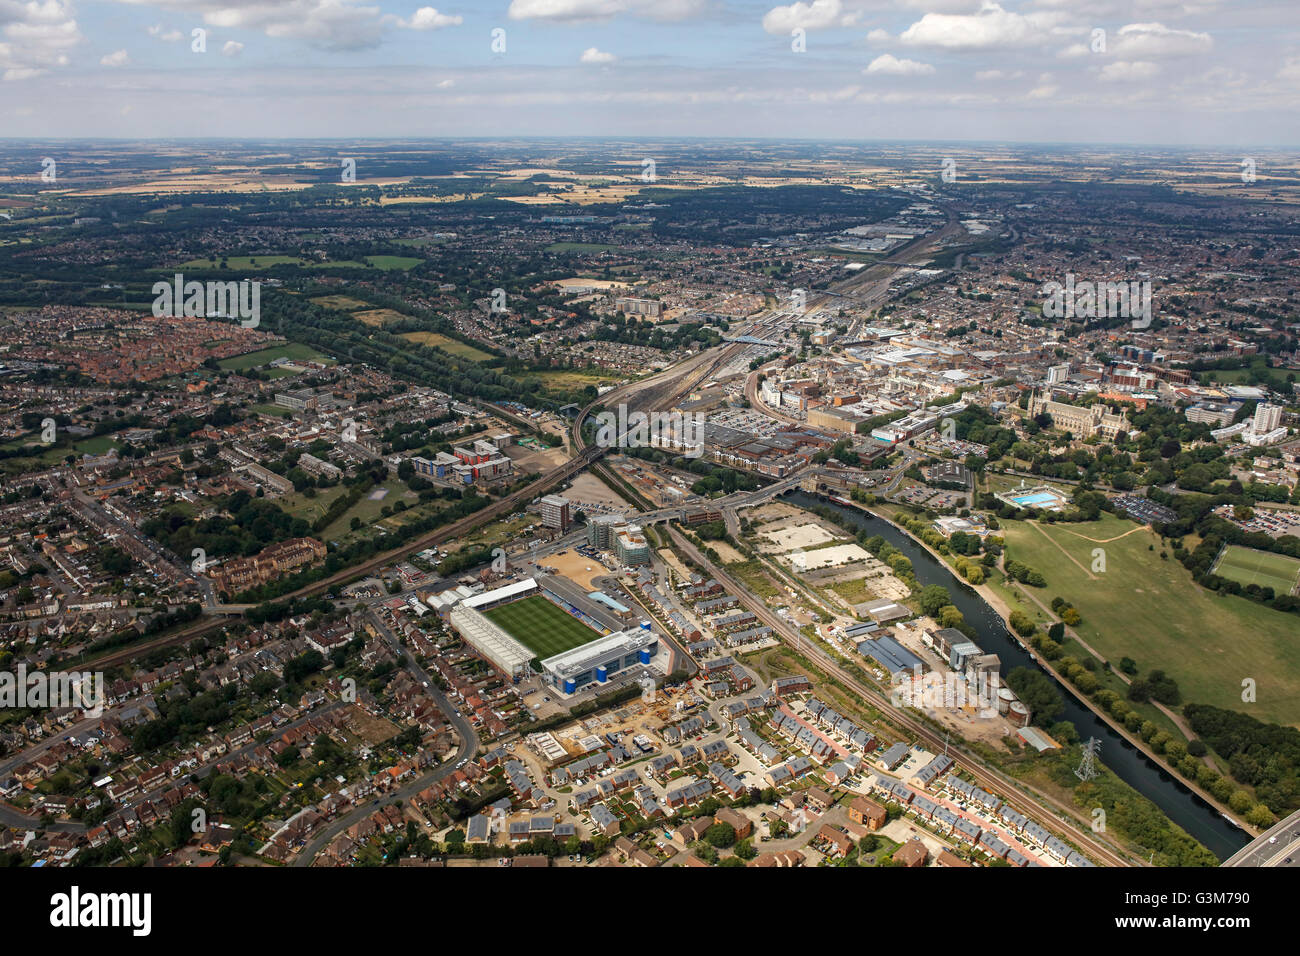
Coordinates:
[1276,846]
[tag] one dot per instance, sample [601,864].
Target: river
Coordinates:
[1157,784]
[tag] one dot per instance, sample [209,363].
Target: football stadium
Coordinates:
[541,625]
[531,628]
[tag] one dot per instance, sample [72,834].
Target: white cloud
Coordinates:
[330,24]
[943,6]
[592,55]
[891,65]
[1156,39]
[878,36]
[232,48]
[428,18]
[35,37]
[1126,71]
[1219,77]
[1178,8]
[577,10]
[1045,89]
[116,58]
[985,76]
[838,95]
[989,29]
[817,15]
[167,36]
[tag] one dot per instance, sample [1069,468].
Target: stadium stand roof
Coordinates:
[500,594]
[507,654]
[578,659]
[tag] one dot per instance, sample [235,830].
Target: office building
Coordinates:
[555,512]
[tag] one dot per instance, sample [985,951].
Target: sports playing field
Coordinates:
[1151,610]
[1248,566]
[541,626]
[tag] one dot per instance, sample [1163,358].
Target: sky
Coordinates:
[1222,73]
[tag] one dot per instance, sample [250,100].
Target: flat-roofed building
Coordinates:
[631,546]
[1217,414]
[650,308]
[600,530]
[599,660]
[833,419]
[1267,418]
[555,512]
[318,467]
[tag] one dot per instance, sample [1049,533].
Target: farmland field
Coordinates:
[393,262]
[568,379]
[342,303]
[447,344]
[541,626]
[1248,566]
[378,317]
[581,247]
[1149,609]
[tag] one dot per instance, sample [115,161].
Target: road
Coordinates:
[659,390]
[506,505]
[468,750]
[751,393]
[985,776]
[1276,846]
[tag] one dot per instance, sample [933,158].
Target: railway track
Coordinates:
[986,777]
[132,651]
[678,381]
[503,506]
[991,779]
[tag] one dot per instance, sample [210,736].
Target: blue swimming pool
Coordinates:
[1041,498]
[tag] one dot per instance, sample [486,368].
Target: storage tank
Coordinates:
[1006,697]
[1018,714]
[643,655]
[602,675]
[570,685]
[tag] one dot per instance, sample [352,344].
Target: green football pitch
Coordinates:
[1248,566]
[541,626]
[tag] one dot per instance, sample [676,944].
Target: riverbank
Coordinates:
[1187,807]
[998,606]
